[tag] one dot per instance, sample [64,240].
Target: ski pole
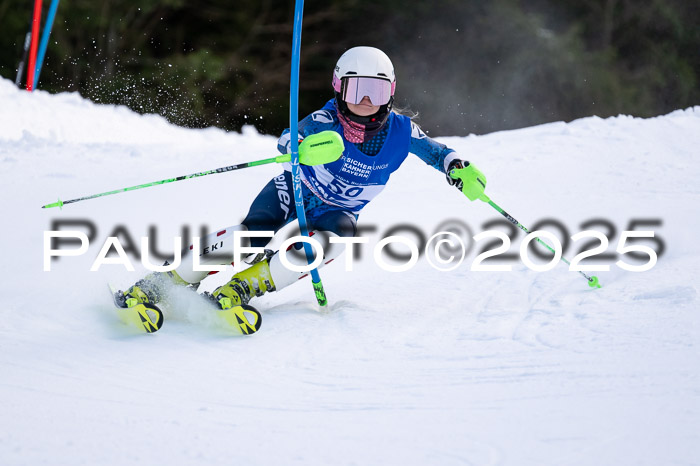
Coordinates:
[592,280]
[316,149]
[25,54]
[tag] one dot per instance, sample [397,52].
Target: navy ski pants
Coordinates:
[274,208]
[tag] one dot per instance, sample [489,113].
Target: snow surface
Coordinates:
[421,367]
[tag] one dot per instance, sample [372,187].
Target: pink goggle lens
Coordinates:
[378,90]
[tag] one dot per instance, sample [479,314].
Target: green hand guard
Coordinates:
[473,182]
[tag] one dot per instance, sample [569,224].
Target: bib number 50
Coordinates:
[336,187]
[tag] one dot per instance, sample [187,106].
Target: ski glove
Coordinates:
[468,179]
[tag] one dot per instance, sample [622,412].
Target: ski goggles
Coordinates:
[352,90]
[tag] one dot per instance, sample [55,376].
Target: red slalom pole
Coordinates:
[36,21]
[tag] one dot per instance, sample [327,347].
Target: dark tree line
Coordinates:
[465,66]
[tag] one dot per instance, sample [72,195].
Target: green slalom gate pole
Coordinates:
[320,148]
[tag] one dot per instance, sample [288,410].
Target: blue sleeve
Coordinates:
[318,121]
[430,151]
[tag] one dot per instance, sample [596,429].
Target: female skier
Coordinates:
[377,141]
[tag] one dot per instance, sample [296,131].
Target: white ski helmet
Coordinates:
[360,72]
[367,62]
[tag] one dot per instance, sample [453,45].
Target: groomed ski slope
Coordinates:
[419,367]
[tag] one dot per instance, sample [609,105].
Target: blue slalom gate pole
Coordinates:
[45,40]
[294,137]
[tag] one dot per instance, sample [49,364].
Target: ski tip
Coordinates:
[244,317]
[151,317]
[144,317]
